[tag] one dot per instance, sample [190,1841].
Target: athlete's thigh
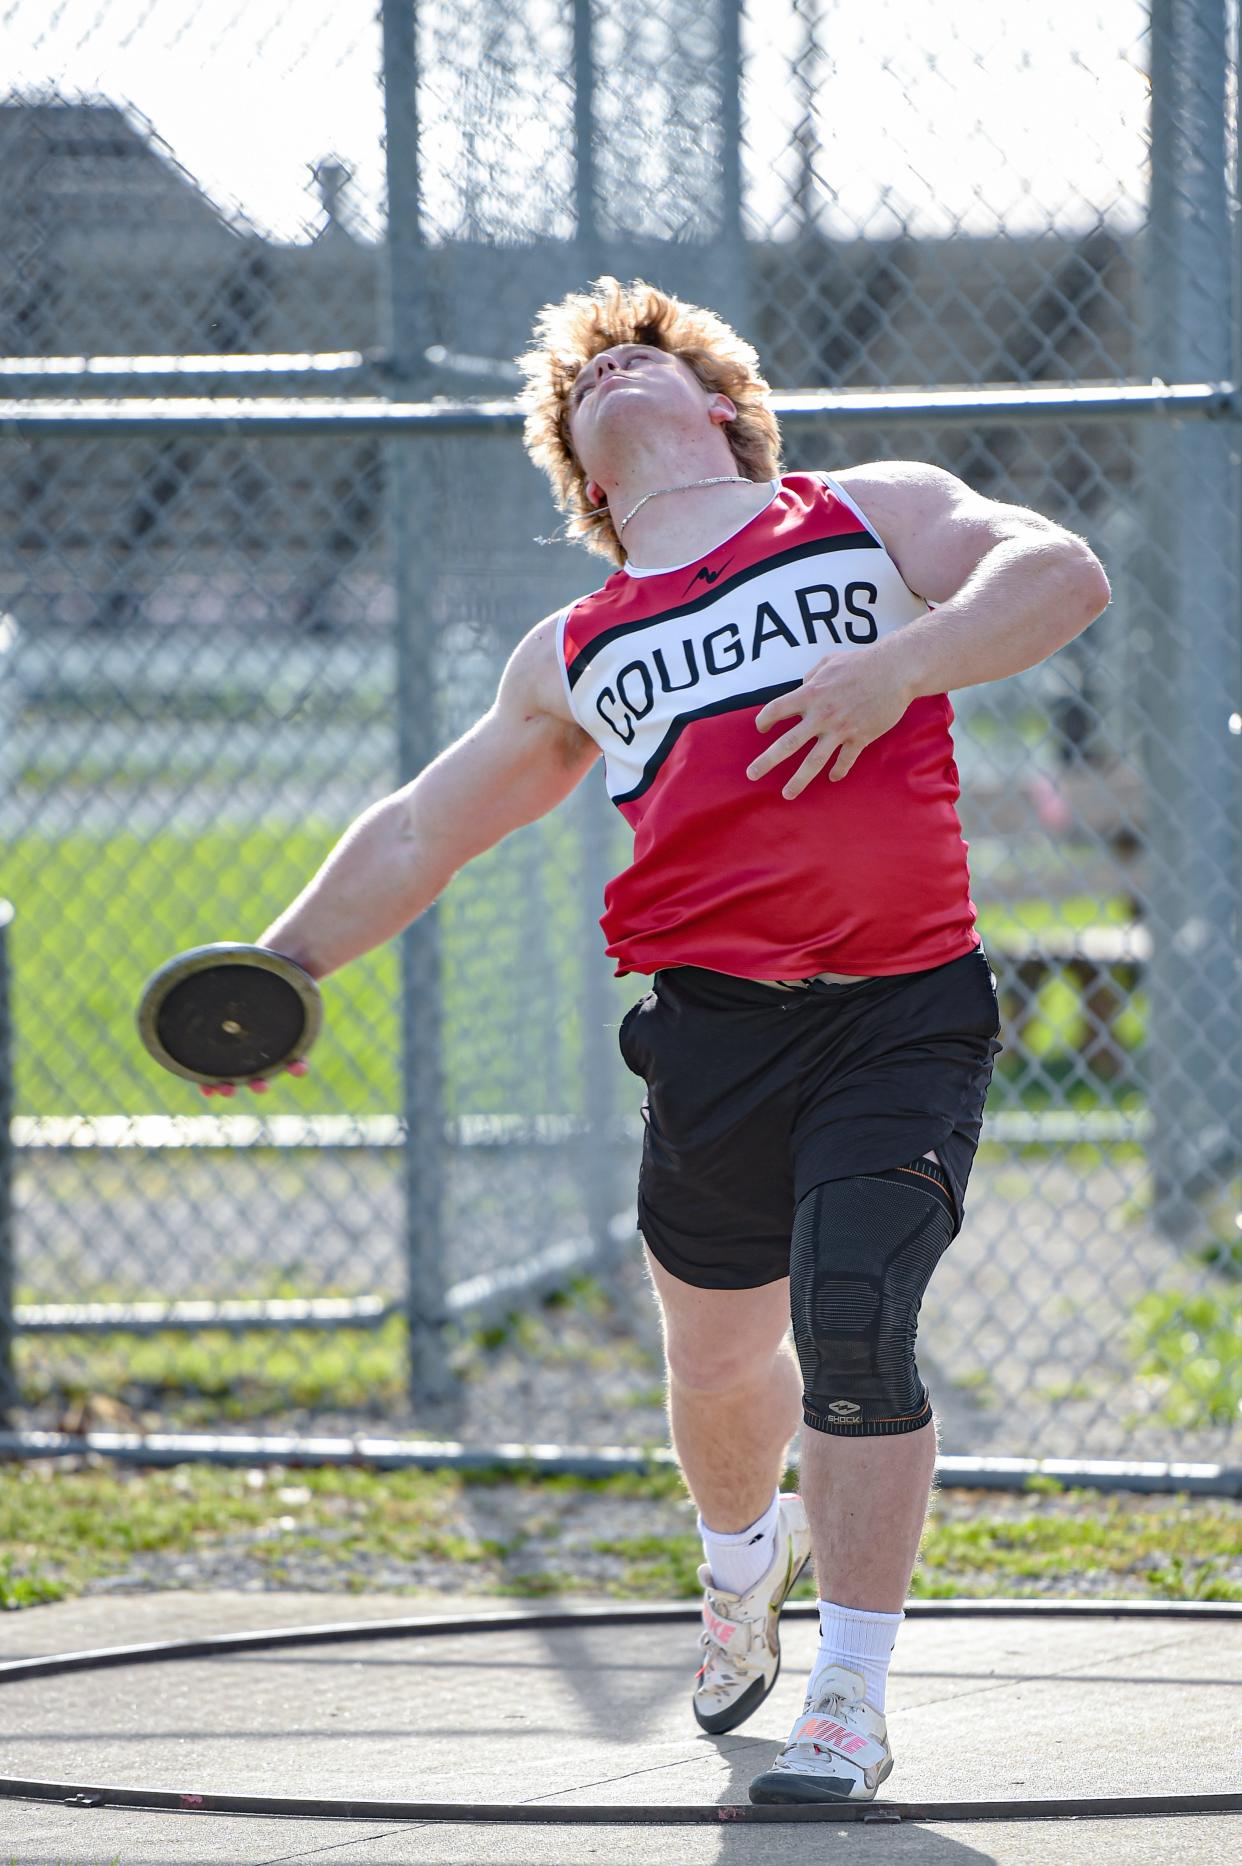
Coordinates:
[715,1187]
[713,1336]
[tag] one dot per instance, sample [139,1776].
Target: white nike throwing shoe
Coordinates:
[838,1749]
[741,1637]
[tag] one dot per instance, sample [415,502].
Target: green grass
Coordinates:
[1159,1548]
[1187,1347]
[68,1528]
[96,915]
[1057,1542]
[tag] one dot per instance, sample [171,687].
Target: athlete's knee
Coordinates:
[707,1366]
[716,1360]
[863,1252]
[716,1340]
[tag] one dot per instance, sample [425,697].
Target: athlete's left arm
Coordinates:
[1010,586]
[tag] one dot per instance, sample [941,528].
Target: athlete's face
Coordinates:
[631,389]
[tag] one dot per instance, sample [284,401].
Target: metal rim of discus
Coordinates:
[302,998]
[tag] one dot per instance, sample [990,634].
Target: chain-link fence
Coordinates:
[220,641]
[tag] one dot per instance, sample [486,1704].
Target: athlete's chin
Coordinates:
[610,399]
[637,417]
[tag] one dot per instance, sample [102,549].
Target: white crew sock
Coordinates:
[743,1557]
[863,1642]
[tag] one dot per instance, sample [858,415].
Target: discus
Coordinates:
[229,1013]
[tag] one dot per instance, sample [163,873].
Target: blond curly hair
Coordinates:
[568,334]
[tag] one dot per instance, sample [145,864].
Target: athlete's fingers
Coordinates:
[845,762]
[784,706]
[810,767]
[260,1085]
[785,747]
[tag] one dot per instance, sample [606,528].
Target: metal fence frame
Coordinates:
[1194,233]
[429,1307]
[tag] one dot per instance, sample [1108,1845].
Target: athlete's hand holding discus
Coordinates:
[260,1084]
[838,710]
[304,987]
[230,1014]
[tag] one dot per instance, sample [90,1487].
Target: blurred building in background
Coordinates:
[117,253]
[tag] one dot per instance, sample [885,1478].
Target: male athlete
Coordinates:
[765,673]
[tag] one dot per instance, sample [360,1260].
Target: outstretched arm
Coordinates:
[514,765]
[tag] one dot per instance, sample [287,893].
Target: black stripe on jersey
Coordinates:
[759,697]
[848,541]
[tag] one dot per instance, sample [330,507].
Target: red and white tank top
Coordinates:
[666,669]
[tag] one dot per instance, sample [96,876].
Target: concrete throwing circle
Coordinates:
[554,1705]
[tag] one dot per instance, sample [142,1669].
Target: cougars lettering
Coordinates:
[826,617]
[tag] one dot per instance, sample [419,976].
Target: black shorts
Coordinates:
[756,1095]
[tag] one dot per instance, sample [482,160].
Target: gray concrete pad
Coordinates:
[978,1709]
[75,1838]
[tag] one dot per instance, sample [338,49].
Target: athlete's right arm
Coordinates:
[515,764]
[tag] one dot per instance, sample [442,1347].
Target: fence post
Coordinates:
[735,279]
[8,1377]
[413,534]
[1232,697]
[1189,638]
[595,809]
[586,202]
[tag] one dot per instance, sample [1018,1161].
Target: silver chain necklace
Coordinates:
[723,479]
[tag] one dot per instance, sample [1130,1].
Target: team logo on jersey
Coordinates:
[826,616]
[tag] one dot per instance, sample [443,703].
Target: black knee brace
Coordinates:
[862,1255]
